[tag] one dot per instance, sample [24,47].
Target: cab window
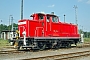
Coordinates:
[48,19]
[41,17]
[54,19]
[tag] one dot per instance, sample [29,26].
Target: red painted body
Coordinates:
[41,28]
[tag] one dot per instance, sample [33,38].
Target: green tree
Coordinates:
[80,31]
[87,34]
[5,27]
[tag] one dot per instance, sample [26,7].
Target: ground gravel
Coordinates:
[29,54]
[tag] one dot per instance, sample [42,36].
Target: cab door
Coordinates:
[21,30]
[39,32]
[48,26]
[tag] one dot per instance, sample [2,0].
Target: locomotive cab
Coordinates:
[47,17]
[37,16]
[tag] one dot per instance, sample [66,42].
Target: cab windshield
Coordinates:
[54,19]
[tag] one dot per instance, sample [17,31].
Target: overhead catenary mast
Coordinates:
[21,9]
[12,22]
[75,13]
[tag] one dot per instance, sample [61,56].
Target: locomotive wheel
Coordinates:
[49,46]
[56,47]
[19,45]
[69,45]
[41,46]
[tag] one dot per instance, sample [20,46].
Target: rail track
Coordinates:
[62,56]
[16,51]
[10,52]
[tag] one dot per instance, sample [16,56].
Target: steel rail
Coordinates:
[61,56]
[10,51]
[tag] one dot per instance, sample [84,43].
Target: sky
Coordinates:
[59,7]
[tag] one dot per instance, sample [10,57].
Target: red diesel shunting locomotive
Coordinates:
[46,31]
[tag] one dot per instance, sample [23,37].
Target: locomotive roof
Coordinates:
[45,14]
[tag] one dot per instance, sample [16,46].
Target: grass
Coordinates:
[86,40]
[3,43]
